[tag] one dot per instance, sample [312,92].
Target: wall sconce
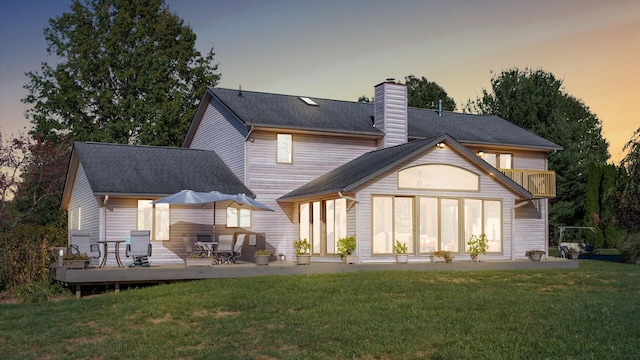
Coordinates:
[440,145]
[481,154]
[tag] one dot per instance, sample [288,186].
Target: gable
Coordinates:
[355,173]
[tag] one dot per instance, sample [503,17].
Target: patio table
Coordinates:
[209,247]
[106,252]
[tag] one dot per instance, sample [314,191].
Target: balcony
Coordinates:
[540,183]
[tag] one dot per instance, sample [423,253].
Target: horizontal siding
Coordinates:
[531,227]
[388,185]
[313,156]
[221,131]
[391,113]
[82,196]
[529,160]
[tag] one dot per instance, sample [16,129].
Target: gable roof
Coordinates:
[132,170]
[366,167]
[277,111]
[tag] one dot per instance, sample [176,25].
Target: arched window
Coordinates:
[438,177]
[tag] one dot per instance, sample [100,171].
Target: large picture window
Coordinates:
[440,223]
[154,218]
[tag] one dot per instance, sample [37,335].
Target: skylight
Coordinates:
[308,101]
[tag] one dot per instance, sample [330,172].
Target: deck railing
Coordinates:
[538,182]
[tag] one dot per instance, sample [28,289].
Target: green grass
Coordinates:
[588,313]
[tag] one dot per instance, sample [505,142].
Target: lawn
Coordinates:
[588,313]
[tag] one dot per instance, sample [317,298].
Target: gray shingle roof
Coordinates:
[364,168]
[155,171]
[289,112]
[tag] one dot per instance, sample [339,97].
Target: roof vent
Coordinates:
[240,91]
[308,101]
[391,80]
[440,107]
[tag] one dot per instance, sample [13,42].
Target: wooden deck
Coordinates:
[172,273]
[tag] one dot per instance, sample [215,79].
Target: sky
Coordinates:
[340,49]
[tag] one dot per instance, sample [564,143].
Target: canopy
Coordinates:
[246,202]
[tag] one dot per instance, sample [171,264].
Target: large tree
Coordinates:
[535,100]
[423,93]
[125,72]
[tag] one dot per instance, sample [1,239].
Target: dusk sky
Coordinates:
[341,49]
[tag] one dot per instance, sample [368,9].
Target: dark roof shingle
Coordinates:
[155,171]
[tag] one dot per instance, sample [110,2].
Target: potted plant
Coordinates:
[446,255]
[195,260]
[262,257]
[301,247]
[534,255]
[400,249]
[76,261]
[346,248]
[478,244]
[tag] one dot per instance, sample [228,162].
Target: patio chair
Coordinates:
[140,247]
[80,244]
[237,247]
[225,249]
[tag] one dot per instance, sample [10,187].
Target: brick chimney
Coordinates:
[390,112]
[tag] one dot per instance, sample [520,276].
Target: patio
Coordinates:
[160,274]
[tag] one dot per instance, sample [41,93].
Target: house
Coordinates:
[329,168]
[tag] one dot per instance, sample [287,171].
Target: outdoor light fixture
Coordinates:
[440,145]
[481,153]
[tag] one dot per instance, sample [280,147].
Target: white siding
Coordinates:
[388,185]
[121,218]
[221,131]
[82,196]
[390,104]
[312,156]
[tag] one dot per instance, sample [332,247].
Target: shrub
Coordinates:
[444,254]
[630,249]
[25,254]
[262,252]
[301,246]
[478,244]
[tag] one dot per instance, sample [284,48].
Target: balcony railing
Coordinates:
[538,182]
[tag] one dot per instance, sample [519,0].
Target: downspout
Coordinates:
[513,223]
[357,222]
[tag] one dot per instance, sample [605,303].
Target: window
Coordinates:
[285,148]
[238,217]
[442,223]
[154,218]
[79,218]
[501,161]
[438,177]
[323,223]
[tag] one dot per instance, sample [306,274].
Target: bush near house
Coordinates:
[25,254]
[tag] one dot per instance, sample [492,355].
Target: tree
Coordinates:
[128,73]
[32,179]
[627,195]
[535,101]
[423,93]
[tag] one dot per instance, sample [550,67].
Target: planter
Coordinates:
[477,258]
[76,264]
[261,260]
[349,259]
[402,258]
[304,259]
[193,262]
[574,256]
[535,257]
